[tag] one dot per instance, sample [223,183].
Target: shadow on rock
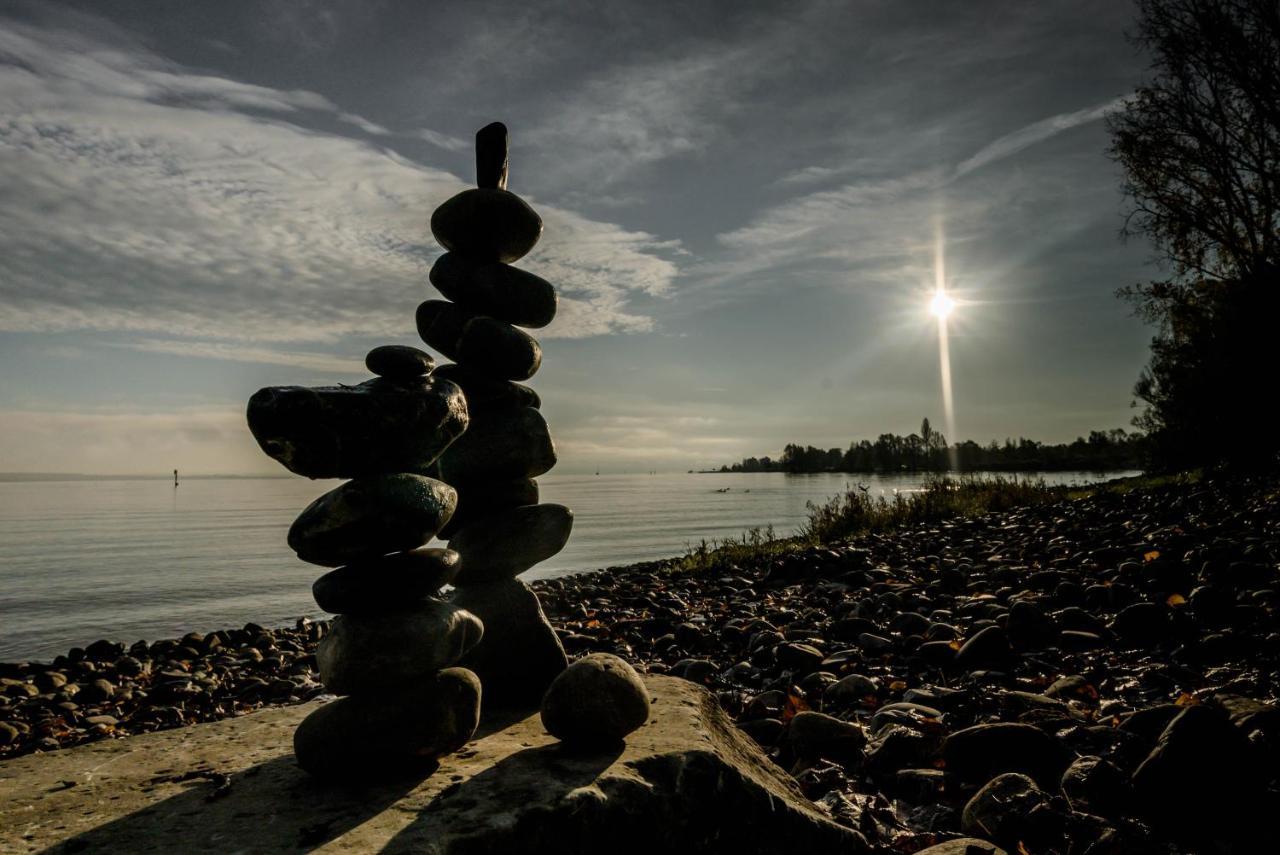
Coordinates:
[245,814]
[531,801]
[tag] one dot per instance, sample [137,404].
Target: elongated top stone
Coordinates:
[491,156]
[379,426]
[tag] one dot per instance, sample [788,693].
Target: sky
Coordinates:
[742,203]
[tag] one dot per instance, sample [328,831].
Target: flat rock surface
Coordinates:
[686,780]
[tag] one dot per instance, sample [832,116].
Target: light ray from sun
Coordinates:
[942,305]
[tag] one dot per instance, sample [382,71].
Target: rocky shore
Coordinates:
[1095,675]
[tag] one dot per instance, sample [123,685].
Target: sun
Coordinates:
[941,305]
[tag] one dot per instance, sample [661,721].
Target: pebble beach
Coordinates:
[1091,675]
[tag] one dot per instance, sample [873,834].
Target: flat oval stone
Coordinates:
[596,701]
[482,498]
[500,448]
[363,654]
[506,544]
[486,395]
[372,516]
[440,325]
[352,431]
[498,290]
[386,584]
[496,349]
[372,736]
[399,362]
[520,653]
[487,224]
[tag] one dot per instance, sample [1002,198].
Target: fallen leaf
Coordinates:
[1176,600]
[1186,699]
[1151,556]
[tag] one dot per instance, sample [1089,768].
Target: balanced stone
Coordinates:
[374,735]
[363,654]
[515,446]
[487,224]
[596,701]
[491,156]
[483,498]
[505,544]
[498,349]
[486,345]
[351,431]
[399,362]
[497,290]
[486,395]
[372,516]
[520,653]
[387,583]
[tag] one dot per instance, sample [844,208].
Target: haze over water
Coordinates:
[82,560]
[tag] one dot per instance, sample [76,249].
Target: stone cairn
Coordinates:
[448,452]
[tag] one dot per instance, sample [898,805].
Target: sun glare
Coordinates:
[941,305]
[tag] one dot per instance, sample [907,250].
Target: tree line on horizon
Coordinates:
[928,451]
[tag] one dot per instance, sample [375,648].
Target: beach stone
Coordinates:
[520,653]
[487,346]
[374,428]
[987,648]
[964,846]
[440,324]
[814,735]
[367,654]
[1004,809]
[506,544]
[497,349]
[1094,785]
[1203,778]
[982,751]
[486,395]
[1141,624]
[487,224]
[386,583]
[399,362]
[497,290]
[483,498]
[517,446]
[379,734]
[370,517]
[596,701]
[491,156]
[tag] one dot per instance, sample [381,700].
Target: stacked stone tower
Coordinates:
[499,529]
[449,452]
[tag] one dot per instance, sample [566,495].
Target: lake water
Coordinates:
[82,560]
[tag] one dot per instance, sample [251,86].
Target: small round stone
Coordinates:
[399,362]
[386,584]
[596,701]
[487,225]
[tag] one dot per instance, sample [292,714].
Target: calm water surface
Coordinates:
[124,560]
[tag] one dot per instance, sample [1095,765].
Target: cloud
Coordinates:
[257,355]
[140,196]
[1036,132]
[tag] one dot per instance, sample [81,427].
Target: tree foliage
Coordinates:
[1200,147]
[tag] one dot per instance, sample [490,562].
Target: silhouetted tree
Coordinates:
[1200,148]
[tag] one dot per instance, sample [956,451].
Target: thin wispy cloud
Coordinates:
[1037,132]
[157,199]
[320,362]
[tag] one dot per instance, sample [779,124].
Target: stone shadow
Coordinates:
[270,807]
[495,810]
